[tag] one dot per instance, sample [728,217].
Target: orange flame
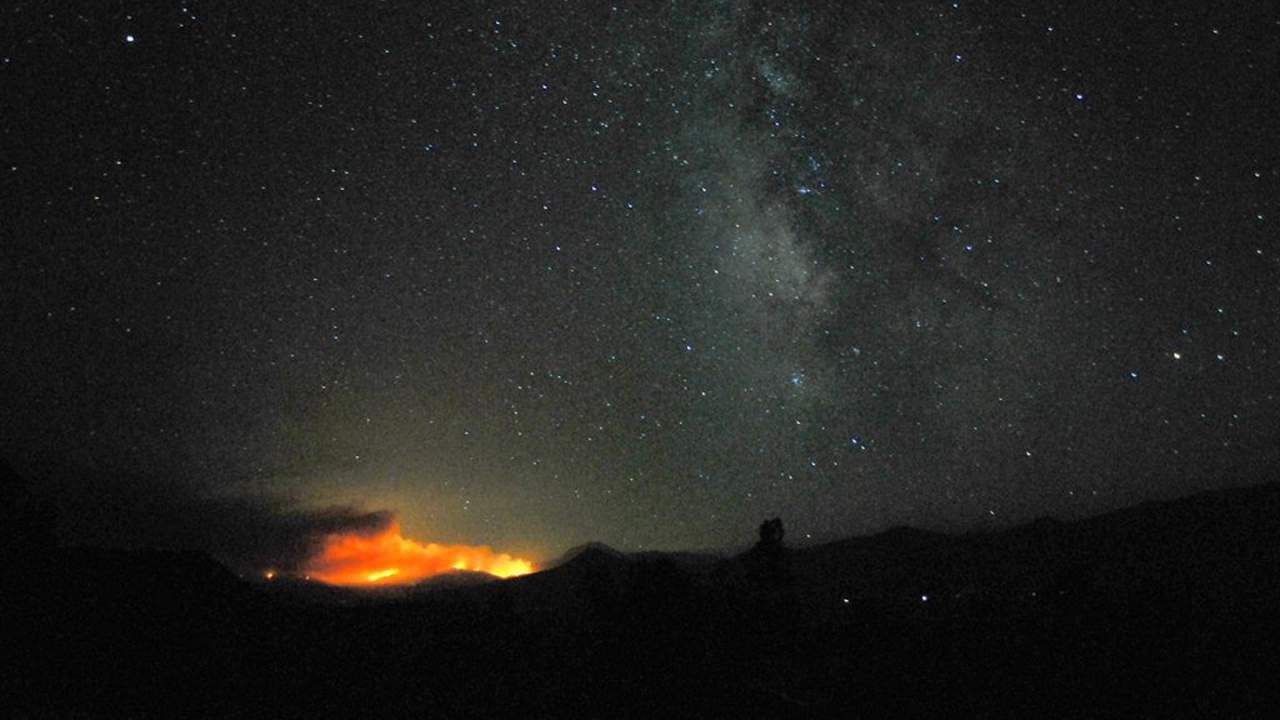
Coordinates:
[388,558]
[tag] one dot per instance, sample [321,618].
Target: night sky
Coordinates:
[530,274]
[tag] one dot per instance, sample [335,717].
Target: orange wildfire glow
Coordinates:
[388,558]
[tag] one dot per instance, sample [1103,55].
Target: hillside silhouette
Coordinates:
[1164,609]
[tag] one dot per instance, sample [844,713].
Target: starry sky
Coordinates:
[529,274]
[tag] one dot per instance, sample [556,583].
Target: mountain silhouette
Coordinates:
[589,554]
[1158,609]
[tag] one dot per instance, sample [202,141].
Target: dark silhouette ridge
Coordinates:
[1165,609]
[592,552]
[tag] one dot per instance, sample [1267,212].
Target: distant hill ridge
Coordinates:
[1069,615]
[1236,524]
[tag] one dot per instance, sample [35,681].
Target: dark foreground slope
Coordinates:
[1156,611]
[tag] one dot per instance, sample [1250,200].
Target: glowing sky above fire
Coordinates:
[532,274]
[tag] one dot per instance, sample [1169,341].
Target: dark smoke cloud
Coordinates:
[249,533]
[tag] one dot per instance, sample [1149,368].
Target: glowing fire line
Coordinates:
[388,558]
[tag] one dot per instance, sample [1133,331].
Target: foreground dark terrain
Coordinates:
[1162,610]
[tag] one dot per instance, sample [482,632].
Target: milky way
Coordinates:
[528,275]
